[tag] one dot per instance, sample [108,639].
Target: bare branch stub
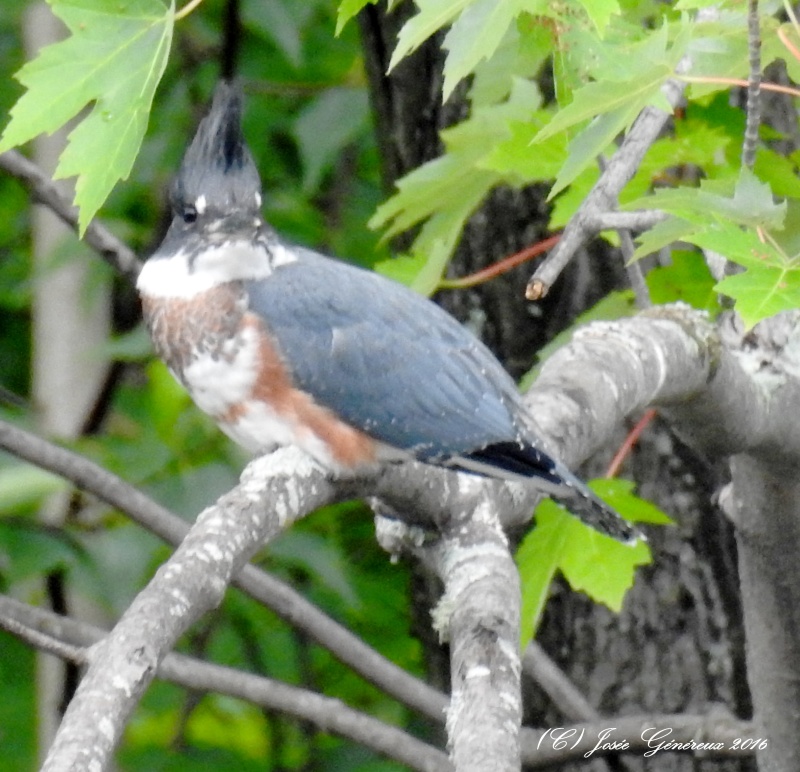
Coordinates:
[621,167]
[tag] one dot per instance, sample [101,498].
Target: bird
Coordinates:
[281,345]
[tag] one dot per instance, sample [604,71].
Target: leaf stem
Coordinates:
[187,9]
[790,47]
[501,266]
[630,441]
[738,82]
[766,236]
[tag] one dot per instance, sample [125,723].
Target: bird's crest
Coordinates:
[218,165]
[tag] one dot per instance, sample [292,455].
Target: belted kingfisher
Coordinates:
[282,345]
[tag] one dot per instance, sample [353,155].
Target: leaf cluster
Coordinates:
[515,136]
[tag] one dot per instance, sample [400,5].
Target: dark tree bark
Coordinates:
[678,644]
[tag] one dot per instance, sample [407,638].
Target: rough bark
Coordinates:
[192,582]
[767,499]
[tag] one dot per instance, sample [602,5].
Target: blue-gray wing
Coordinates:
[385,359]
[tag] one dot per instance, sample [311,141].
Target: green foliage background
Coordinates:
[309,127]
[321,187]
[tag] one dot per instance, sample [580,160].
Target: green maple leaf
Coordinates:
[600,12]
[431,17]
[347,10]
[476,34]
[114,58]
[592,563]
[763,291]
[744,201]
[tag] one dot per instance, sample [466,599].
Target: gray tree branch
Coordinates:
[558,687]
[766,502]
[736,396]
[68,638]
[602,197]
[190,583]
[621,167]
[479,616]
[263,587]
[612,369]
[632,221]
[763,502]
[45,191]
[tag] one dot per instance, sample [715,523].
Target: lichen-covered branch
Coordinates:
[263,587]
[479,615]
[69,638]
[613,369]
[190,583]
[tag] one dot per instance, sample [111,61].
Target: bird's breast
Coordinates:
[227,360]
[208,324]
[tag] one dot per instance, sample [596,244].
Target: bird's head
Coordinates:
[217,189]
[217,234]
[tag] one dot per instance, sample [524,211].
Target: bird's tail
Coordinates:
[527,463]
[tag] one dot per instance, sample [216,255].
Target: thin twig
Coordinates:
[567,698]
[43,641]
[640,220]
[68,639]
[113,250]
[630,441]
[633,269]
[501,266]
[776,87]
[187,9]
[753,87]
[789,45]
[263,587]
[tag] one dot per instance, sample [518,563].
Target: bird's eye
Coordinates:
[189,214]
